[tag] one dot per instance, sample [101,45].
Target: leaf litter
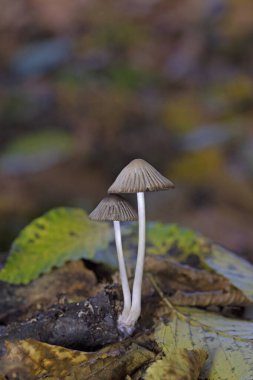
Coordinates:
[186,269]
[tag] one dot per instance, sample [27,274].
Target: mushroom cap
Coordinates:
[113,208]
[139,176]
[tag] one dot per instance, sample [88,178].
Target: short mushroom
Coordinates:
[117,209]
[138,177]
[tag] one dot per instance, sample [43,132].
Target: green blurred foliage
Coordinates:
[166,81]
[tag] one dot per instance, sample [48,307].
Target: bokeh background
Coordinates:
[88,85]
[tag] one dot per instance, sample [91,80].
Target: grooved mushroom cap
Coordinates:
[139,176]
[113,208]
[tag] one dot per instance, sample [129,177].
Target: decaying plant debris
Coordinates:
[91,324]
[63,324]
[84,325]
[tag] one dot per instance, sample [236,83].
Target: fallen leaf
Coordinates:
[229,342]
[60,235]
[187,286]
[183,364]
[237,270]
[72,283]
[204,299]
[190,248]
[69,234]
[41,360]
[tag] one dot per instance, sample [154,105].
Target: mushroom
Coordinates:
[117,209]
[138,177]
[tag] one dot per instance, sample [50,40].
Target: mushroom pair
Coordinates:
[137,177]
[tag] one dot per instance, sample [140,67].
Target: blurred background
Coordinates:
[88,85]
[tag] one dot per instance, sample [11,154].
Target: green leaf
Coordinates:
[178,242]
[229,342]
[67,234]
[60,235]
[188,247]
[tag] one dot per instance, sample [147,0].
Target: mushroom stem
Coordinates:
[136,294]
[123,273]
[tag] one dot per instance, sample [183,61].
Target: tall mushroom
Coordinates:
[117,209]
[138,177]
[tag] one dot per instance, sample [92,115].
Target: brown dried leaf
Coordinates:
[188,286]
[233,297]
[39,360]
[73,282]
[173,275]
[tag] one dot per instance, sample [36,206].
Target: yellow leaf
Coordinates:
[228,342]
[183,364]
[40,360]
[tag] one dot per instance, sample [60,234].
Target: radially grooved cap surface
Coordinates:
[114,208]
[139,176]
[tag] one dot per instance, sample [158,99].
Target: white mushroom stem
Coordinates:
[123,272]
[136,294]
